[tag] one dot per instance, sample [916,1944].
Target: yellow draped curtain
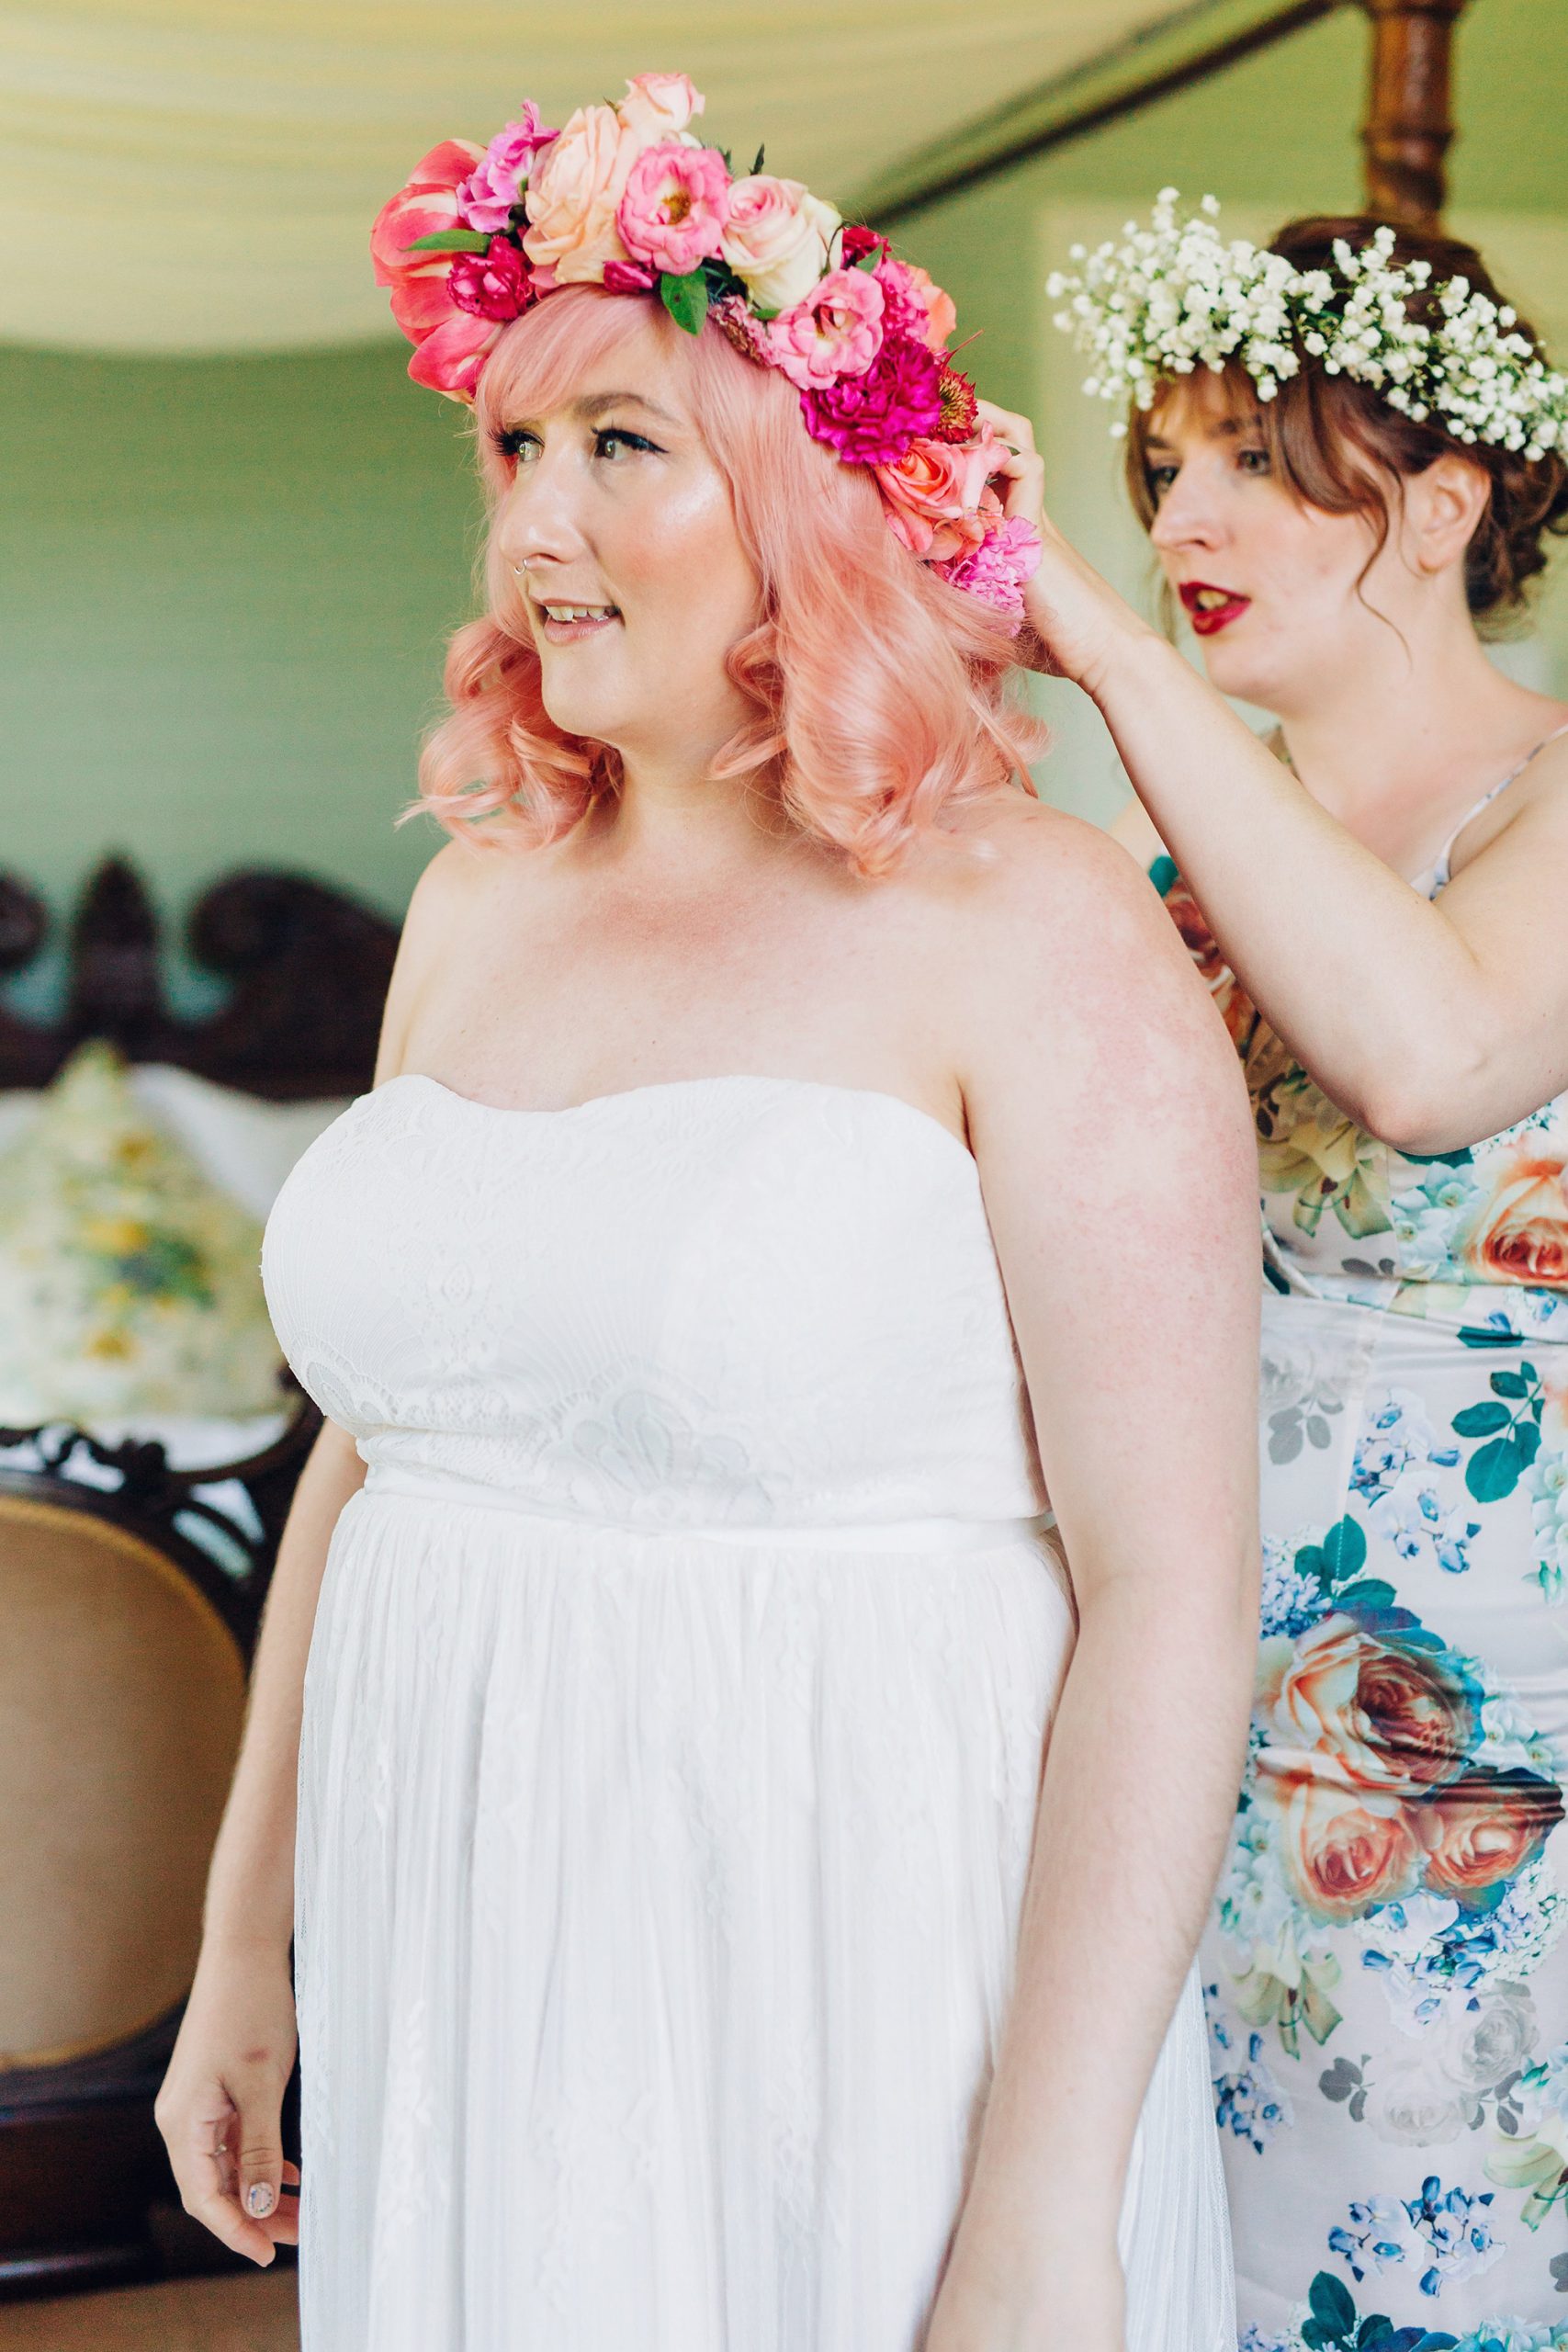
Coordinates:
[199,175]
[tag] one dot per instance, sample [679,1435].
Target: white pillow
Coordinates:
[242,1145]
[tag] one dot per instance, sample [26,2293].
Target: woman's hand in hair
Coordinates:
[1074,618]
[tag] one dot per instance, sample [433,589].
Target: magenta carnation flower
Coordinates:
[998,567]
[871,420]
[492,285]
[486,197]
[631,278]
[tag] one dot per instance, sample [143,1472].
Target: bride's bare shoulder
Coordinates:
[1053,915]
[1030,865]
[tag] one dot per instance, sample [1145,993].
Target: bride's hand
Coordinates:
[1077,619]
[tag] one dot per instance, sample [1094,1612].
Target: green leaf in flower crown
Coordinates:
[758,164]
[450,241]
[686,300]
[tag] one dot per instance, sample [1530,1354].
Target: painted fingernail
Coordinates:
[259,2200]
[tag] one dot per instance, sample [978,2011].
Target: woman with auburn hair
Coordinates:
[731,1914]
[1347,452]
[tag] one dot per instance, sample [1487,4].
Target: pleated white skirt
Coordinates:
[656,1909]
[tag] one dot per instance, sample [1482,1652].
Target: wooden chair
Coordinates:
[122,1692]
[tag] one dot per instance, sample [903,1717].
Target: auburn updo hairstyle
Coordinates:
[1340,447]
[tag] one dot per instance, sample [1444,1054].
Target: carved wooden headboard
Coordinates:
[308,969]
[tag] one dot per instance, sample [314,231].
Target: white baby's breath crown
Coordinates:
[1178,296]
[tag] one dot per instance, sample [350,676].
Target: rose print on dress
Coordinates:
[1376,1781]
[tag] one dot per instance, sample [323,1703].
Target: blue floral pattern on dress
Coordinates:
[1389,1974]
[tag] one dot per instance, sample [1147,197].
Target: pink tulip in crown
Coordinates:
[628,198]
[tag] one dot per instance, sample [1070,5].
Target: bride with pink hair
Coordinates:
[749,1845]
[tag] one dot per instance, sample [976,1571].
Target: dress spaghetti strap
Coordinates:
[1437,874]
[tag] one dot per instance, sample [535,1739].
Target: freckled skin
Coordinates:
[628,507]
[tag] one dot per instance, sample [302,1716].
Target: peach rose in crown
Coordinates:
[1371,1712]
[574,194]
[1521,1233]
[659,105]
[776,235]
[1344,1851]
[924,497]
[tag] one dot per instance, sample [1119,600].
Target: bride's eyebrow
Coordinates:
[594,405]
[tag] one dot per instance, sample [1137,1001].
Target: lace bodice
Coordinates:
[722,1302]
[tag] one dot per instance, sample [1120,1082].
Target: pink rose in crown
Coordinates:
[425,207]
[776,235]
[493,285]
[574,194]
[486,197]
[834,333]
[659,105]
[672,213]
[870,419]
[916,306]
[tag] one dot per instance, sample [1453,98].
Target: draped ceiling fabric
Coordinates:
[199,175]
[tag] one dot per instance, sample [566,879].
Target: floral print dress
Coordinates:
[1386,1969]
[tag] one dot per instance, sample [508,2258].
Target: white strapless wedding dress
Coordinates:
[674,1731]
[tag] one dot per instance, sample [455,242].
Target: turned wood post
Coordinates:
[1408,128]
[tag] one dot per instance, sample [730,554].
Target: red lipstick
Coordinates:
[1211,609]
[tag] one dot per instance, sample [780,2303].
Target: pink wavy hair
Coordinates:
[879,692]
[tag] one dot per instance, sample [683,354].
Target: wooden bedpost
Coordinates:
[1408,126]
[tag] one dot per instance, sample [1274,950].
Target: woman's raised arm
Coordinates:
[1433,1024]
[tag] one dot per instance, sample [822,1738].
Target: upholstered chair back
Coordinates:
[121,1696]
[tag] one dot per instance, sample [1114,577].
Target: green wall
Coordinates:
[224,585]
[224,588]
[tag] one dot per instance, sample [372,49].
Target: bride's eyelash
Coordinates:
[509,442]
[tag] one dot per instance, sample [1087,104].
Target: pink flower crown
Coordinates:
[628,198]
